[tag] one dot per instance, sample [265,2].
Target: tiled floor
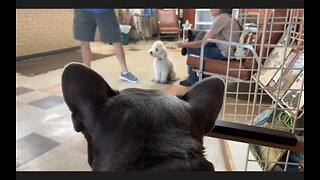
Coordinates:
[45,138]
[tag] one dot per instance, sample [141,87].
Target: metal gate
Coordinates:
[273,95]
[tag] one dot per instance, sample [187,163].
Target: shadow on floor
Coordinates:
[48,63]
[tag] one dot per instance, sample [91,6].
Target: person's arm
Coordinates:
[195,44]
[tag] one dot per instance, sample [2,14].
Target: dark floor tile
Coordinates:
[22,90]
[32,146]
[47,102]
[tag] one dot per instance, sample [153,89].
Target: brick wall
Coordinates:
[42,30]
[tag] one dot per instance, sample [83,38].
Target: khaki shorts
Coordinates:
[85,24]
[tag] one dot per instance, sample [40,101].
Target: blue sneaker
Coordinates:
[128,77]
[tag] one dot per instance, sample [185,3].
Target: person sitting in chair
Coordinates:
[220,29]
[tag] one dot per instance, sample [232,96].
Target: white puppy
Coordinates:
[162,64]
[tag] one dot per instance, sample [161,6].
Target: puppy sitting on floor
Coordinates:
[162,64]
[140,129]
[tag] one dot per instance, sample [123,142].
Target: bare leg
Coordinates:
[86,53]
[118,49]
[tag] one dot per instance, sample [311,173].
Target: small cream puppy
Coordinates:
[162,64]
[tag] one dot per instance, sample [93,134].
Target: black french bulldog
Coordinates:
[139,129]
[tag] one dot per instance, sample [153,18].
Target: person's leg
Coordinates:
[190,37]
[110,33]
[86,53]
[118,50]
[192,75]
[84,27]
[211,52]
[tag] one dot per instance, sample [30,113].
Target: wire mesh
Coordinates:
[273,95]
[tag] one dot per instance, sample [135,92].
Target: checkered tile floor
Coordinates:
[45,138]
[45,133]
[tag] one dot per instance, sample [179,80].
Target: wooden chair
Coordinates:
[168,23]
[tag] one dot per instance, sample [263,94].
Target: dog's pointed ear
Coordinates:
[164,53]
[205,99]
[84,91]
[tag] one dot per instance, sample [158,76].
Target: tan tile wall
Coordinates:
[42,30]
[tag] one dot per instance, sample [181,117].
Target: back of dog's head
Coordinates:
[137,129]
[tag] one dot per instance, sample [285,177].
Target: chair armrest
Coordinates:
[257,135]
[255,55]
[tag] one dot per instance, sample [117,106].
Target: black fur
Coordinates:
[194,36]
[138,129]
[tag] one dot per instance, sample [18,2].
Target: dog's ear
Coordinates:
[84,91]
[164,53]
[205,100]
